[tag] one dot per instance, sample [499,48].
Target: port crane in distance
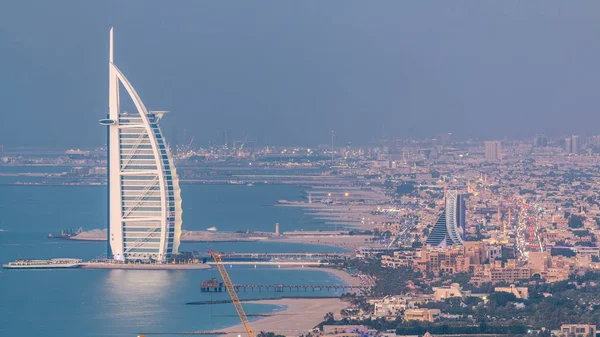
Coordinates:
[232,293]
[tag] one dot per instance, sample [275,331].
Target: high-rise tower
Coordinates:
[572,144]
[575,144]
[449,229]
[144,199]
[493,150]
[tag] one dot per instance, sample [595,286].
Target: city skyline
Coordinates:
[398,168]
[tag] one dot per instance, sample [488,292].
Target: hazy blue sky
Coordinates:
[288,72]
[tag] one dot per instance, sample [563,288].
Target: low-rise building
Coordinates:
[556,274]
[438,260]
[509,274]
[538,262]
[345,330]
[577,330]
[442,293]
[399,259]
[423,314]
[591,251]
[388,306]
[497,274]
[392,306]
[493,252]
[519,292]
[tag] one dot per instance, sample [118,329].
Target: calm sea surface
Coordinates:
[124,303]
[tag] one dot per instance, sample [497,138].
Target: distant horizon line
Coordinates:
[314,145]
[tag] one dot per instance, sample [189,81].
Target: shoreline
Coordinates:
[338,273]
[310,310]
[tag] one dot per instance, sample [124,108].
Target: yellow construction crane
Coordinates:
[232,293]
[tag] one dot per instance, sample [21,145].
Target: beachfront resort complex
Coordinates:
[144,199]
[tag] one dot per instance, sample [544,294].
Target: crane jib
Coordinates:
[233,294]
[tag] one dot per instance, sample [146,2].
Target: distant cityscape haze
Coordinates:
[290,72]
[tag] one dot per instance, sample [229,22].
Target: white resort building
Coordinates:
[144,199]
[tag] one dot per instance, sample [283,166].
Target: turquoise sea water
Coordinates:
[34,169]
[228,207]
[126,302]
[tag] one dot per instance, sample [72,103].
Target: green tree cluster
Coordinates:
[405,188]
[575,221]
[445,329]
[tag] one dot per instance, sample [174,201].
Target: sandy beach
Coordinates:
[341,274]
[345,205]
[300,316]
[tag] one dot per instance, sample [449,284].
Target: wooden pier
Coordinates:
[215,286]
[284,287]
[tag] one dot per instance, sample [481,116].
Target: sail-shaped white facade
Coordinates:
[449,228]
[144,199]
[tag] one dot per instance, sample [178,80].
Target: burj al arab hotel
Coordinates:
[144,199]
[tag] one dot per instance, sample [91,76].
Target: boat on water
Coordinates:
[43,264]
[65,233]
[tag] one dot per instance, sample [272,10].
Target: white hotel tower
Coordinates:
[144,199]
